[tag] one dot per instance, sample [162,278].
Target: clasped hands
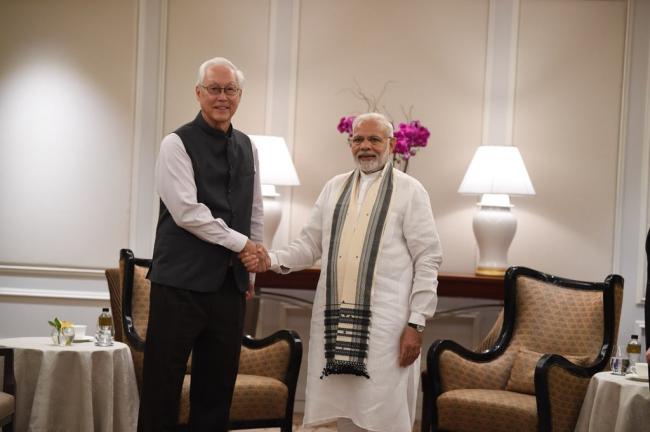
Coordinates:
[255,257]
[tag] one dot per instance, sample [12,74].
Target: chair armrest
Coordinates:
[451,366]
[128,264]
[276,356]
[8,379]
[560,388]
[133,339]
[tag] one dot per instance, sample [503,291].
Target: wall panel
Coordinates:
[66,130]
[433,53]
[201,29]
[566,124]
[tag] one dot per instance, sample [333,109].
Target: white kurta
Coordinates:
[404,291]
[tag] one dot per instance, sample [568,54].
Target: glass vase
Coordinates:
[57,337]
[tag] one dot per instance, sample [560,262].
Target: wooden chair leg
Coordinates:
[288,426]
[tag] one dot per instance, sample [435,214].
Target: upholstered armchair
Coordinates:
[533,370]
[8,390]
[268,368]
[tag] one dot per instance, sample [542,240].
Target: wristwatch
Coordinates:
[418,327]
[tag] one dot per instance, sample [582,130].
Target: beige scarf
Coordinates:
[355,239]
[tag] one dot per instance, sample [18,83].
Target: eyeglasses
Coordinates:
[215,90]
[374,140]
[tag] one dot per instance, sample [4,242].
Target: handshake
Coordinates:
[255,257]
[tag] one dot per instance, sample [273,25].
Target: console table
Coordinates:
[449,285]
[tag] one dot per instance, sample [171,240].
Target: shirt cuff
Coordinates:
[417,319]
[275,264]
[236,242]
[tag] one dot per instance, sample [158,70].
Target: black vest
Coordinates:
[223,172]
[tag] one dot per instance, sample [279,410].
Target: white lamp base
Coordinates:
[272,216]
[494,229]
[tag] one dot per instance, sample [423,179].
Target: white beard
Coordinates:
[370,166]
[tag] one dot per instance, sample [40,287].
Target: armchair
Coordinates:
[8,391]
[556,334]
[268,368]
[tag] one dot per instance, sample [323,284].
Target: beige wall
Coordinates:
[66,130]
[193,37]
[436,65]
[66,186]
[566,123]
[566,120]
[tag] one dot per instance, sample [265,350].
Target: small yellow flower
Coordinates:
[65,324]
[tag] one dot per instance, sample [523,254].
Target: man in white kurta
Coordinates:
[403,293]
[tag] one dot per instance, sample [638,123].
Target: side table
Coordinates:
[82,387]
[614,403]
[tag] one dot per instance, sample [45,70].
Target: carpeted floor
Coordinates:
[297,427]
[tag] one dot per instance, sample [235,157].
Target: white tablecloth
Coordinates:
[81,387]
[615,403]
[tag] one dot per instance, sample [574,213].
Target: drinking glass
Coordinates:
[104,337]
[619,365]
[68,335]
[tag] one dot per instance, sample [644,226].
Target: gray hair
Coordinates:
[219,61]
[379,118]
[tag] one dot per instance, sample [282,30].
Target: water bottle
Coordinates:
[105,328]
[634,350]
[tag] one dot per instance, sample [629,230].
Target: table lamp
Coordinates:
[276,169]
[495,172]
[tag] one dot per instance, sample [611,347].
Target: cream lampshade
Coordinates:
[495,173]
[276,169]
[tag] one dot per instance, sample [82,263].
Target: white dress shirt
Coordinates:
[175,184]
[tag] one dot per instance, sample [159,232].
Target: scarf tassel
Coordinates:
[338,367]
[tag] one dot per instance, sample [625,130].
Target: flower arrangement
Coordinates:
[62,331]
[60,324]
[409,135]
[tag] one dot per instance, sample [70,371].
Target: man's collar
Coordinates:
[200,121]
[372,175]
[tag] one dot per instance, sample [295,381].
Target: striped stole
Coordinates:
[354,244]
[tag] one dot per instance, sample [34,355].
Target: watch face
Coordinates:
[420,328]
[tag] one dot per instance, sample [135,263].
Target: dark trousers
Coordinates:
[210,325]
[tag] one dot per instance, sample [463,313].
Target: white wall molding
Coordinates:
[645,172]
[622,140]
[632,218]
[284,25]
[634,153]
[500,72]
[642,35]
[149,80]
[48,293]
[29,270]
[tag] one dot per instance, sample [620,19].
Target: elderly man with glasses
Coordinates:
[210,211]
[374,232]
